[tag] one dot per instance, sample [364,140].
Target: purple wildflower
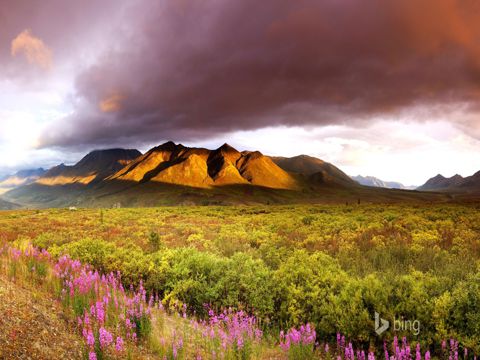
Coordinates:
[106,337]
[119,344]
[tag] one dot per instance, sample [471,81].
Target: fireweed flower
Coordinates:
[92,356]
[98,294]
[418,354]
[90,338]
[100,312]
[105,337]
[119,344]
[305,336]
[86,318]
[16,254]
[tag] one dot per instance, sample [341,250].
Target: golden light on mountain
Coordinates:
[65,180]
[203,168]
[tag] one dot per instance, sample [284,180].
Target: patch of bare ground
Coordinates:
[32,326]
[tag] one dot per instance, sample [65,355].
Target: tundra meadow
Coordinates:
[266,282]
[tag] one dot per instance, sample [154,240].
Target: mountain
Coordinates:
[314,169]
[202,168]
[456,183]
[471,183]
[440,182]
[173,174]
[94,167]
[222,166]
[20,178]
[376,182]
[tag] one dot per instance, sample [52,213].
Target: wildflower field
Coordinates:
[273,282]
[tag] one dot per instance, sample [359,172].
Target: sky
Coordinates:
[388,88]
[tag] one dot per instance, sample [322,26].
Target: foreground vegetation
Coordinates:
[119,323]
[330,266]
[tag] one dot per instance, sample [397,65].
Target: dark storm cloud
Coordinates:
[190,68]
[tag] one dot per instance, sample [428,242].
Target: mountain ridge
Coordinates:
[455,183]
[175,174]
[95,166]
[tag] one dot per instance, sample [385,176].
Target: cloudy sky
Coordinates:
[389,88]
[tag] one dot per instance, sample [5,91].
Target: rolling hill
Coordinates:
[314,169]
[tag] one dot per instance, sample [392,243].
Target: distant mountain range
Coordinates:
[376,182]
[20,178]
[172,174]
[454,184]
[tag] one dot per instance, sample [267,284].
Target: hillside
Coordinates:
[315,169]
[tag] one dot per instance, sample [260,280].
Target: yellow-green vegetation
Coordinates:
[330,265]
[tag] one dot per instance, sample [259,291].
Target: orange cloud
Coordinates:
[112,103]
[33,48]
